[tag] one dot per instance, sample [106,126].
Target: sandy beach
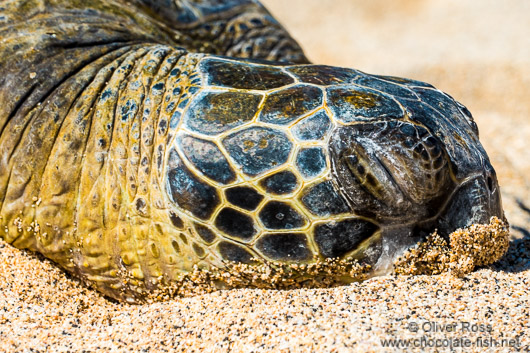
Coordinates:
[476,50]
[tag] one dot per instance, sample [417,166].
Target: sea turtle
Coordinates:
[143,141]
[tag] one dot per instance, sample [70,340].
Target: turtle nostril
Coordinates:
[490,183]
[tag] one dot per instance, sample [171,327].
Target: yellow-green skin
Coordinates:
[97,97]
[71,172]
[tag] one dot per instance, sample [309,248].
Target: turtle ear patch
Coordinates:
[189,192]
[336,239]
[235,224]
[280,215]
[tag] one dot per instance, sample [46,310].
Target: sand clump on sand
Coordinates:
[467,249]
[475,50]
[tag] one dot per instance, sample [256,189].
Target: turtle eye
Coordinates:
[362,172]
[490,178]
[490,183]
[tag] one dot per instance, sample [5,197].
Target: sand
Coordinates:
[476,50]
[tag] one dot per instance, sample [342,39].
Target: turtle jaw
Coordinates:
[474,202]
[402,178]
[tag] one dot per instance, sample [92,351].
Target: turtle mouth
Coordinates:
[475,201]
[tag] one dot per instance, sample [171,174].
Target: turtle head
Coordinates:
[405,178]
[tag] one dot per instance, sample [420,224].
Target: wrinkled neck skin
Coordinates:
[131,161]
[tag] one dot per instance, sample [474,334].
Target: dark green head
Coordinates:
[338,157]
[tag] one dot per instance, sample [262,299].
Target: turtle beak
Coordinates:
[474,202]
